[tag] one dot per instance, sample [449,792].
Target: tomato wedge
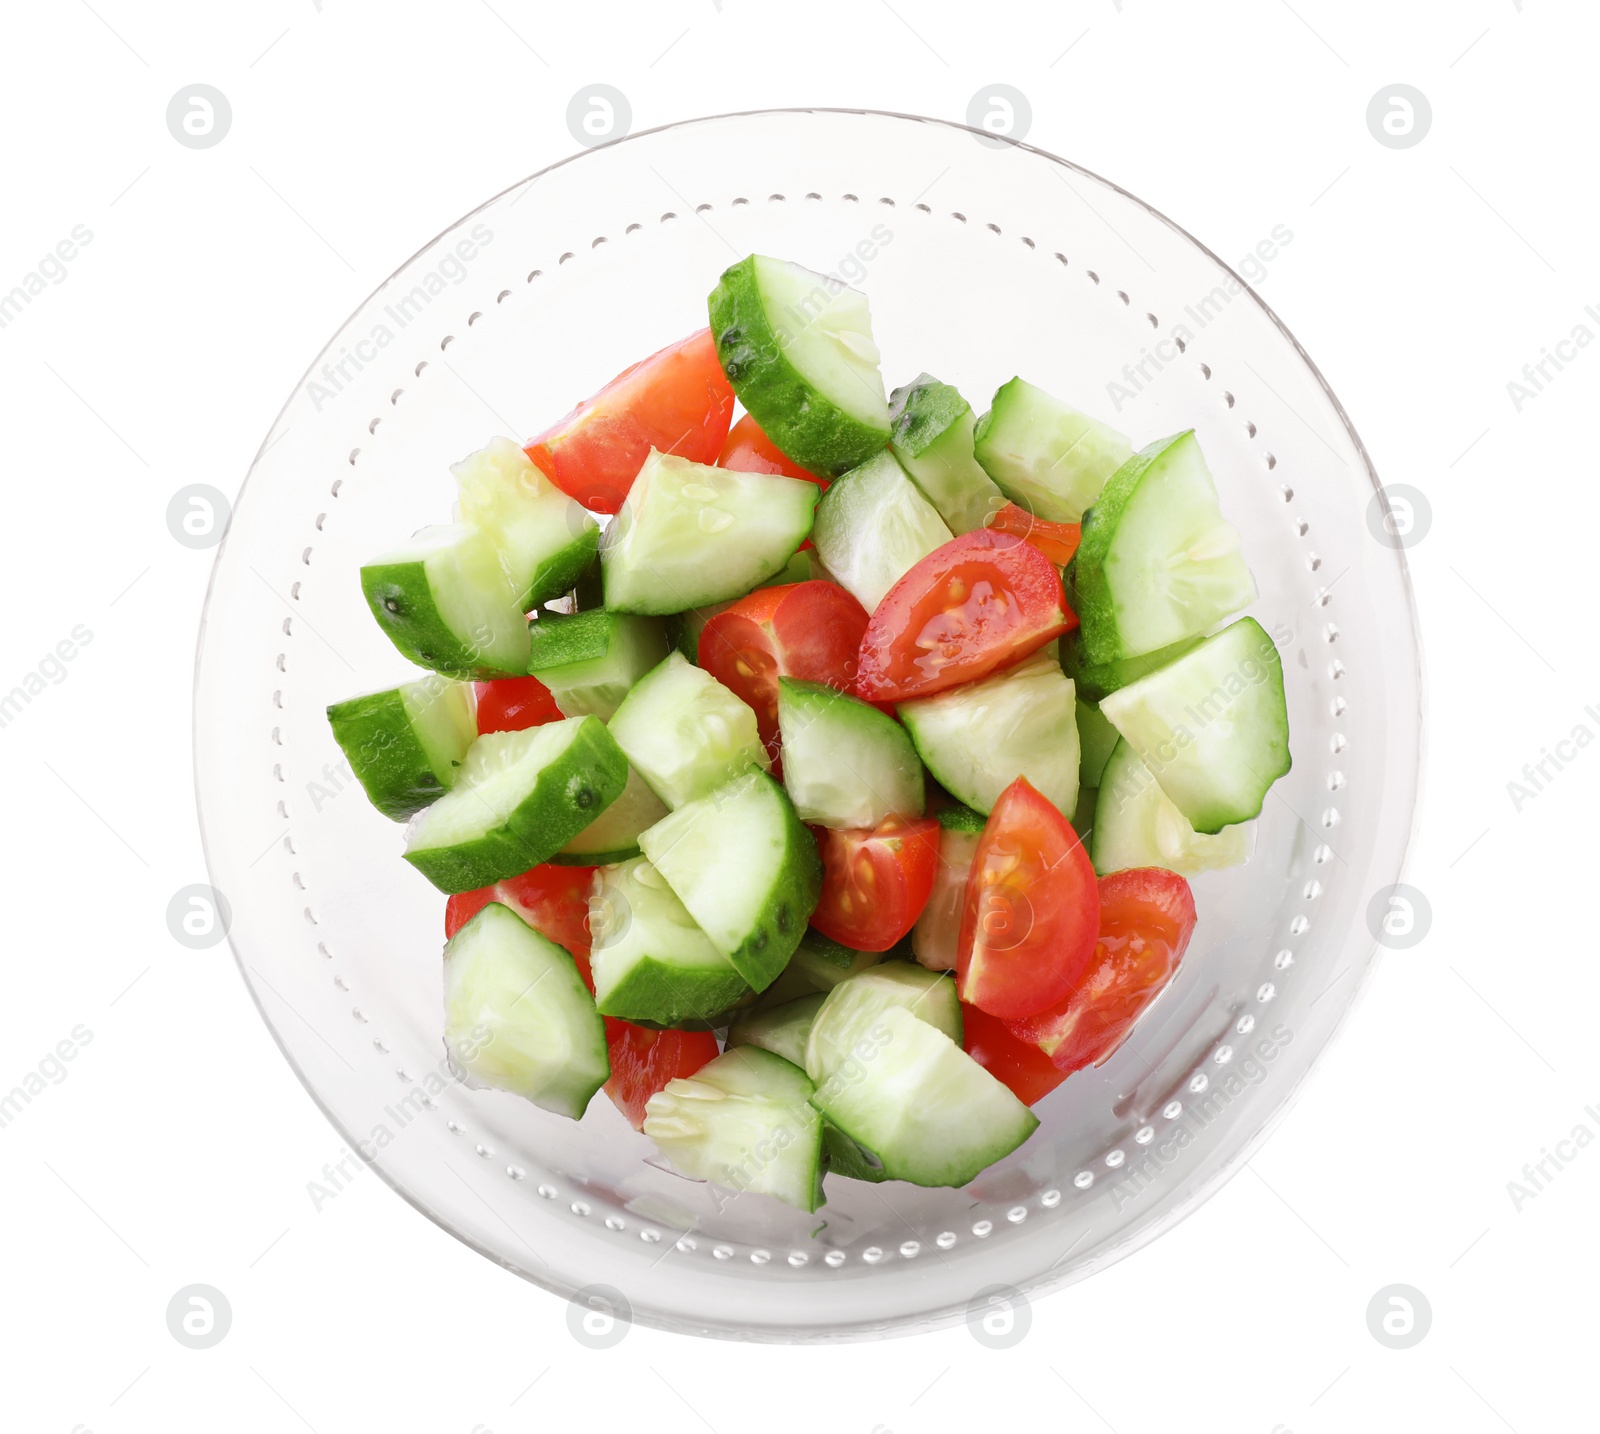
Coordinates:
[1031,913]
[511,704]
[875,883]
[677,400]
[749,450]
[809,630]
[1146,920]
[643,1061]
[554,900]
[1057,541]
[1019,1065]
[980,602]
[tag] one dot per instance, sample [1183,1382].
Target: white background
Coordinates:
[178,1147]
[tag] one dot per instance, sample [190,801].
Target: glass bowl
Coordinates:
[982,259]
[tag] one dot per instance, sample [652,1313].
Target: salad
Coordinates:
[822,785]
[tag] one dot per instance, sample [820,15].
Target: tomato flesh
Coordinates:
[979,603]
[809,630]
[643,1061]
[875,882]
[512,704]
[749,450]
[554,900]
[677,400]
[1057,541]
[1031,912]
[1146,919]
[1021,1066]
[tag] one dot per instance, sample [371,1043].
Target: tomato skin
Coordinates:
[1031,914]
[643,1061]
[809,630]
[513,704]
[1146,919]
[979,603]
[1019,1065]
[554,900]
[678,400]
[875,883]
[749,450]
[1057,541]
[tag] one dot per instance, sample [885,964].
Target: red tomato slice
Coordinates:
[981,602]
[1146,920]
[643,1061]
[808,630]
[1057,541]
[554,900]
[1019,1065]
[749,450]
[875,883]
[677,400]
[510,704]
[1031,911]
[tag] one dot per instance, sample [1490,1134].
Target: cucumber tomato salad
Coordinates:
[823,785]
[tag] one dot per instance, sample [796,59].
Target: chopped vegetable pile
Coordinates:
[832,802]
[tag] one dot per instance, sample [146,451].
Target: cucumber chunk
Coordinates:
[690,535]
[845,764]
[1136,824]
[1096,739]
[589,660]
[406,745]
[743,1121]
[518,799]
[916,1101]
[843,1156]
[1158,562]
[1095,680]
[447,604]
[853,1006]
[1212,727]
[872,525]
[650,961]
[979,737]
[797,348]
[931,427]
[614,834]
[518,1017]
[685,733]
[745,868]
[817,966]
[783,1030]
[934,937]
[546,540]
[1046,456]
